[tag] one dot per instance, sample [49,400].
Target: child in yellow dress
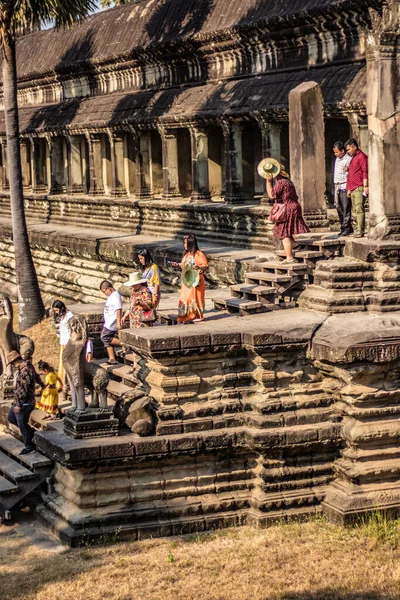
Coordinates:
[49,399]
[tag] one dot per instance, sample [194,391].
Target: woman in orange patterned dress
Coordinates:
[192,299]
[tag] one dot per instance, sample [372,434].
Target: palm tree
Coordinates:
[17,15]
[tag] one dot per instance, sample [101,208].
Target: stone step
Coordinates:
[219,304]
[261,276]
[13,470]
[6,487]
[302,254]
[277,266]
[168,319]
[116,389]
[11,446]
[123,373]
[246,290]
[243,306]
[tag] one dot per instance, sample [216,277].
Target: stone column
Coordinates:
[307,146]
[170,163]
[26,164]
[5,179]
[57,183]
[233,163]
[96,186]
[117,164]
[383,106]
[75,165]
[38,162]
[271,145]
[144,182]
[359,130]
[200,181]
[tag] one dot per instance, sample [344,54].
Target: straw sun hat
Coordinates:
[190,277]
[135,278]
[270,166]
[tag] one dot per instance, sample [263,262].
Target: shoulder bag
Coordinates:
[278,213]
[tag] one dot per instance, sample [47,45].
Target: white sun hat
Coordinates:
[134,279]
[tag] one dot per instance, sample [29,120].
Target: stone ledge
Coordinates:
[351,337]
[294,326]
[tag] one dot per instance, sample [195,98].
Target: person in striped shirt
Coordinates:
[342,202]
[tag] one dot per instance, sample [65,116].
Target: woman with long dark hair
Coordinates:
[151,273]
[192,297]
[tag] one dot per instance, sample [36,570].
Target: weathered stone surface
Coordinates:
[307,145]
[369,281]
[351,337]
[383,107]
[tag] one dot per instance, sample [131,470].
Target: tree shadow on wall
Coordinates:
[58,116]
[174,19]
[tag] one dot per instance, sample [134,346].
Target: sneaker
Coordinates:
[26,451]
[343,234]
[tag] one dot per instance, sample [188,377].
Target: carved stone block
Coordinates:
[91,423]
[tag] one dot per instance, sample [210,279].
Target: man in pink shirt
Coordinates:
[357,184]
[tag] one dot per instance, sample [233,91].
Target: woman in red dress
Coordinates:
[284,191]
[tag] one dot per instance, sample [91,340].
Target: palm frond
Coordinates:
[22,15]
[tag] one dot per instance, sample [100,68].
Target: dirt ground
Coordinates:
[309,561]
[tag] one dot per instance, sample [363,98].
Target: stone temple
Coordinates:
[146,122]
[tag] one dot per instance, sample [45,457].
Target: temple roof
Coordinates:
[128,30]
[340,84]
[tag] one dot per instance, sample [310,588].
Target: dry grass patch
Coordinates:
[310,561]
[46,342]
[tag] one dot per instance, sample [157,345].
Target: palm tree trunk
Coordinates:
[30,304]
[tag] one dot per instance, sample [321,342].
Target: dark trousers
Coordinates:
[21,420]
[344,211]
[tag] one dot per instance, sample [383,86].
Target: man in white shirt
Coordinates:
[112,319]
[342,202]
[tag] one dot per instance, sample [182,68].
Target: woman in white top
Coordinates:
[60,311]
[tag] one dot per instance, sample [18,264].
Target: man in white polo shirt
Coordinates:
[112,319]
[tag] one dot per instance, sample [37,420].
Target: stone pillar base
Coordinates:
[40,189]
[236,199]
[346,503]
[76,189]
[144,195]
[119,192]
[171,195]
[266,201]
[200,197]
[93,422]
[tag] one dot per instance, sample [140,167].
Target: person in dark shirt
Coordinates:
[25,381]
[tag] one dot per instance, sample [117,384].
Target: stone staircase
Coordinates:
[19,475]
[276,285]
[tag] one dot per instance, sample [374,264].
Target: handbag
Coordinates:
[278,213]
[148,316]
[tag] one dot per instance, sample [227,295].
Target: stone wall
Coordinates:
[245,434]
[71,263]
[257,421]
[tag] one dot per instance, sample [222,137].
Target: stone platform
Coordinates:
[72,261]
[258,419]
